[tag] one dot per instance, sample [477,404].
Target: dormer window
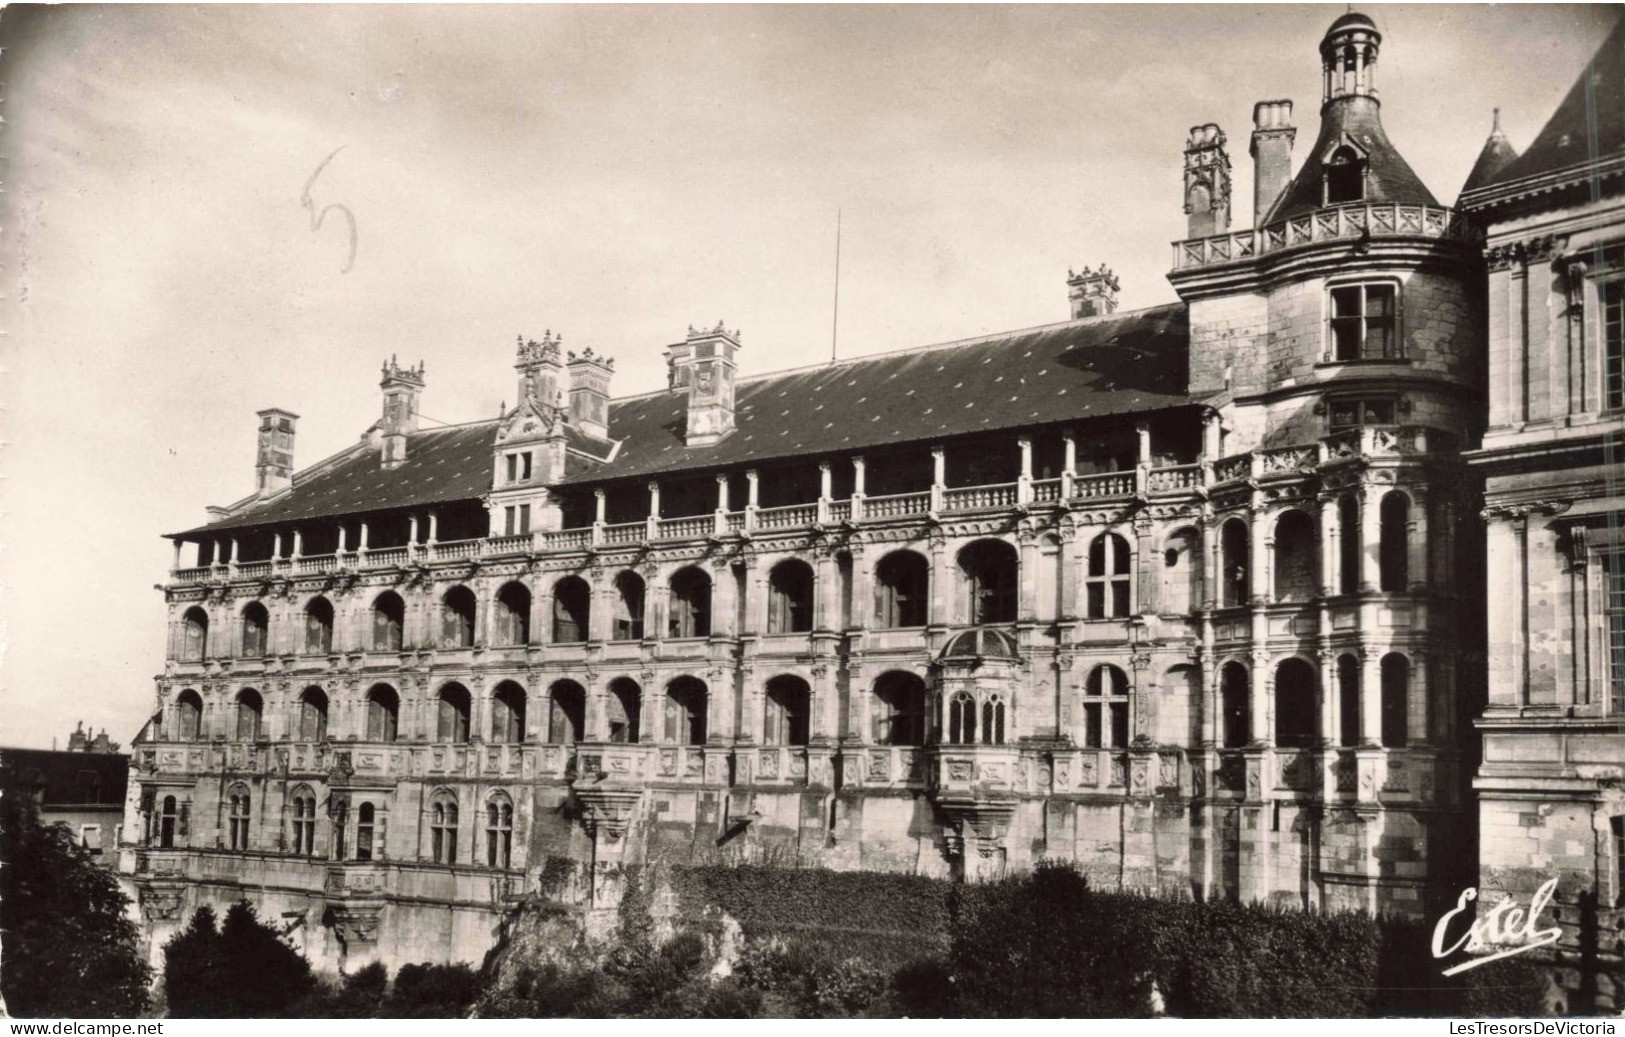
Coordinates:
[1345,177]
[519,467]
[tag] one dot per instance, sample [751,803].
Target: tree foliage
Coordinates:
[242,970]
[69,949]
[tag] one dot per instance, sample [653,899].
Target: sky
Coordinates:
[180,185]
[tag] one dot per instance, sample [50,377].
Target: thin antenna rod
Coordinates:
[835,318]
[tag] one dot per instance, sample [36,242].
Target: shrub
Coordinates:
[204,969]
[424,991]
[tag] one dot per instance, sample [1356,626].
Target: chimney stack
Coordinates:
[1271,149]
[1207,182]
[705,363]
[401,387]
[589,392]
[273,460]
[77,742]
[541,370]
[1093,293]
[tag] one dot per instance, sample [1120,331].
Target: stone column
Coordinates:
[1370,537]
[1069,464]
[1067,574]
[1417,701]
[1504,555]
[1146,571]
[1331,554]
[1263,699]
[859,488]
[653,521]
[1331,706]
[1370,695]
[863,584]
[1416,539]
[1260,541]
[1027,577]
[724,606]
[939,477]
[939,612]
[1024,481]
[434,526]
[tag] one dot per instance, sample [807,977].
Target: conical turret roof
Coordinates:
[1497,154]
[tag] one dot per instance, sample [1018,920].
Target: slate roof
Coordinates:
[1496,155]
[1389,178]
[1098,366]
[55,774]
[1588,126]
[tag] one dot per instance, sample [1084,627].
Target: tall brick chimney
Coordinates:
[1093,293]
[1207,182]
[273,459]
[1273,134]
[401,387]
[589,392]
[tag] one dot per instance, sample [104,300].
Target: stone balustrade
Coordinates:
[1337,223]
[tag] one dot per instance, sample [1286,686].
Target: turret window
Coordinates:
[518,467]
[1347,412]
[1345,177]
[1364,322]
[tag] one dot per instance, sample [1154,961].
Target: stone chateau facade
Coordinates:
[1191,596]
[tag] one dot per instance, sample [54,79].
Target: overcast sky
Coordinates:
[614,173]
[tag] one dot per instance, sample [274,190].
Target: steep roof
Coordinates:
[1389,178]
[1589,124]
[1495,156]
[1062,372]
[1073,371]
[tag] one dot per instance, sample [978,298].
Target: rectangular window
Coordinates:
[513,467]
[1613,590]
[507,521]
[1364,322]
[1352,412]
[1613,337]
[524,514]
[90,837]
[524,465]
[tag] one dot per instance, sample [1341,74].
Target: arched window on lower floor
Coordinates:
[1105,708]
[194,635]
[1181,574]
[250,715]
[961,719]
[1349,547]
[991,571]
[256,625]
[1297,557]
[1297,704]
[790,598]
[1396,686]
[304,822]
[627,622]
[1235,705]
[188,716]
[1234,564]
[237,817]
[383,713]
[899,709]
[567,713]
[508,713]
[319,627]
[388,622]
[1348,699]
[453,707]
[625,708]
[690,604]
[513,614]
[993,720]
[366,819]
[1394,520]
[443,828]
[499,831]
[686,704]
[313,715]
[457,612]
[902,582]
[572,610]
[785,711]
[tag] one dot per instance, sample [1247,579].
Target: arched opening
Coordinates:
[168,816]
[990,569]
[900,709]
[625,705]
[194,635]
[1348,544]
[1394,518]
[1297,557]
[1105,708]
[686,701]
[1345,177]
[567,719]
[786,710]
[962,719]
[628,619]
[443,828]
[366,819]
[256,625]
[1297,704]
[902,587]
[508,713]
[790,598]
[383,713]
[313,715]
[238,812]
[1348,699]
[1234,563]
[1109,577]
[513,614]
[451,722]
[1235,704]
[188,716]
[993,720]
[1181,574]
[572,610]
[319,627]
[250,715]
[1396,686]
[690,604]
[388,622]
[499,831]
[457,610]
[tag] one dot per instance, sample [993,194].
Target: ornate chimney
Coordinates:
[541,370]
[1093,293]
[705,362]
[589,392]
[273,460]
[1273,134]
[401,387]
[1207,182]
